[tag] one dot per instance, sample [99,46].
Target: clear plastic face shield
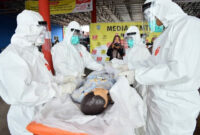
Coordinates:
[130,39]
[149,11]
[75,39]
[42,26]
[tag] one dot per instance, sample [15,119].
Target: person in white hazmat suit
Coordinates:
[137,51]
[70,57]
[135,54]
[25,82]
[173,101]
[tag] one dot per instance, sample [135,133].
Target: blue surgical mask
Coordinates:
[130,43]
[75,40]
[154,27]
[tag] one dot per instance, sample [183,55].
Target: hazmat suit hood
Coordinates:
[69,33]
[71,59]
[136,37]
[166,11]
[28,29]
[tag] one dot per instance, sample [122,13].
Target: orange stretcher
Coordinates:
[40,129]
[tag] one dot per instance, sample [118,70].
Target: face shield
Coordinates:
[43,34]
[130,39]
[149,15]
[75,39]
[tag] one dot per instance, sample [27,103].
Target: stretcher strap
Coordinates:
[39,129]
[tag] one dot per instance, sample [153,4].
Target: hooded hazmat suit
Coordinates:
[25,82]
[71,59]
[138,52]
[173,101]
[134,58]
[135,54]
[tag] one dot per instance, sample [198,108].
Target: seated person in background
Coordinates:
[116,50]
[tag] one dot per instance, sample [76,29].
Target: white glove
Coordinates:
[83,75]
[116,63]
[67,88]
[123,67]
[119,65]
[100,67]
[69,79]
[130,75]
[60,79]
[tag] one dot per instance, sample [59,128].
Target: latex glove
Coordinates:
[69,79]
[116,63]
[124,68]
[83,75]
[100,67]
[60,79]
[67,88]
[130,75]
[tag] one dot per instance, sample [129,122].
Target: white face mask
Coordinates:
[41,38]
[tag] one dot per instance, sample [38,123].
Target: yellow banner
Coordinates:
[62,6]
[102,34]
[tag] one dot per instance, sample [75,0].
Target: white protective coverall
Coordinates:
[25,82]
[135,57]
[173,100]
[72,60]
[138,53]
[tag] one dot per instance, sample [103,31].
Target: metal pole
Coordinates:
[46,48]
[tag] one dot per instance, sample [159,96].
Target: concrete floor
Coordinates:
[3,118]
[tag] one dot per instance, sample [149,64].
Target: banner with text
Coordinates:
[62,6]
[102,34]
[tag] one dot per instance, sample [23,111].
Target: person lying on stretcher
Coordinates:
[94,94]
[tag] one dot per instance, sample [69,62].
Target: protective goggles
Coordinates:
[129,38]
[42,23]
[148,10]
[43,26]
[131,33]
[76,32]
[44,34]
[147,6]
[149,15]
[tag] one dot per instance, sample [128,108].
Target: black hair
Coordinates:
[92,104]
[115,38]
